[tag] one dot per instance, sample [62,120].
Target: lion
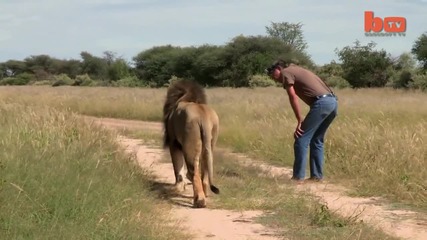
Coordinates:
[191,131]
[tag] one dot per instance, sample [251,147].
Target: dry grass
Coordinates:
[376,144]
[63,179]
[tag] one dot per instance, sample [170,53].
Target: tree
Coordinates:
[71,67]
[245,56]
[13,67]
[110,57]
[405,61]
[155,65]
[209,65]
[95,67]
[118,69]
[290,33]
[419,49]
[365,67]
[404,70]
[42,66]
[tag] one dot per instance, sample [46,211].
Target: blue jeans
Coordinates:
[322,113]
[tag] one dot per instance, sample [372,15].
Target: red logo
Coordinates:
[389,26]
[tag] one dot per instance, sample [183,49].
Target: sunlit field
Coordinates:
[376,145]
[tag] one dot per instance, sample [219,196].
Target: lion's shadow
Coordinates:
[167,192]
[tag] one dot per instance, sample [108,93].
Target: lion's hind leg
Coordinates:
[205,172]
[192,154]
[178,165]
[190,172]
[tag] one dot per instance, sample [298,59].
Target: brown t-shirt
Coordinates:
[307,85]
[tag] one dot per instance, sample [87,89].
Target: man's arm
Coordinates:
[293,99]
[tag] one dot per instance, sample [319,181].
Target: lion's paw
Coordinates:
[199,203]
[180,187]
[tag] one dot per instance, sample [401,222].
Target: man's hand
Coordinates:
[298,131]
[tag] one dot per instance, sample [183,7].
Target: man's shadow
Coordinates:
[167,192]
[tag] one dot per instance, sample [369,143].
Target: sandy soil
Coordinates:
[222,224]
[205,222]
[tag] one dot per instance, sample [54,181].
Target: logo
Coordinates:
[389,26]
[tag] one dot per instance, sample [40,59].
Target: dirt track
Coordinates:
[235,225]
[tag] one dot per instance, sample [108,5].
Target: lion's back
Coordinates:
[201,113]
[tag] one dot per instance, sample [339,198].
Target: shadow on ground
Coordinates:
[167,192]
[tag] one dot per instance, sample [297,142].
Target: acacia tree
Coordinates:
[419,49]
[290,33]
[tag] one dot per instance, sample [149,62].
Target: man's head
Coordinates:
[274,70]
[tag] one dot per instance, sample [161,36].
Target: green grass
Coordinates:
[376,145]
[63,179]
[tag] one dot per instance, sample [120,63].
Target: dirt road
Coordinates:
[222,224]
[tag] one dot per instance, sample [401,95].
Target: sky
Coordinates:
[64,28]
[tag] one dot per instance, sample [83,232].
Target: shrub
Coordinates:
[337,82]
[61,79]
[128,82]
[42,82]
[171,80]
[84,80]
[20,79]
[261,81]
[419,82]
[402,79]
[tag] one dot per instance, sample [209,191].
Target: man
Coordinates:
[310,131]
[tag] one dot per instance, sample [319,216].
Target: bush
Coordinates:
[419,82]
[20,79]
[61,80]
[84,80]
[42,83]
[261,81]
[337,82]
[402,79]
[128,82]
[170,81]
[24,78]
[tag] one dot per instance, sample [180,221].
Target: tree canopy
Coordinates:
[419,49]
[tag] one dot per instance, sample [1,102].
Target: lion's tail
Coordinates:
[208,155]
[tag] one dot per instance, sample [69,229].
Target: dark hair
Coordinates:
[280,62]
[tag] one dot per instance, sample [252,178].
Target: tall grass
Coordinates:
[63,179]
[376,144]
[126,103]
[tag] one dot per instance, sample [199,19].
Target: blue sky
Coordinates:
[64,28]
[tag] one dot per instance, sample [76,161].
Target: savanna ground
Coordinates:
[61,177]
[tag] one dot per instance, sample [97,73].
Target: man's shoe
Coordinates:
[315,179]
[297,180]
